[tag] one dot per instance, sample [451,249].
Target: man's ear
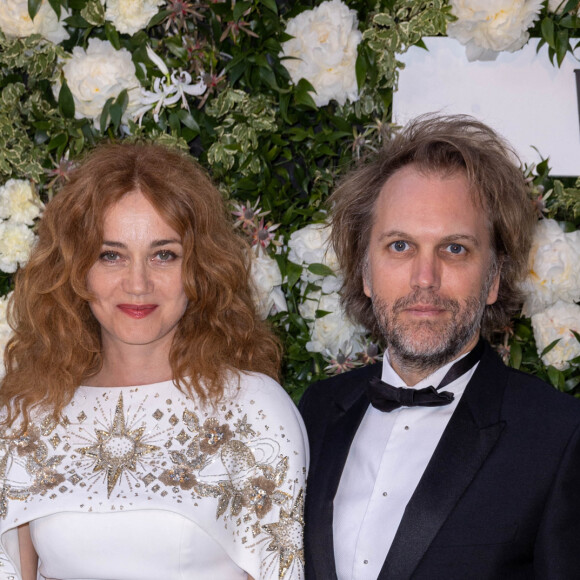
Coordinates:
[365,280]
[494,288]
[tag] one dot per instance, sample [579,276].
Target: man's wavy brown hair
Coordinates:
[57,340]
[441,145]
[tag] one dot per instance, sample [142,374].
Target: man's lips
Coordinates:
[425,309]
[137,310]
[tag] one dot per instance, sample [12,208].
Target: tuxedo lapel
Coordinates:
[349,406]
[471,434]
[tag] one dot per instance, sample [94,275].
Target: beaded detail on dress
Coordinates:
[240,465]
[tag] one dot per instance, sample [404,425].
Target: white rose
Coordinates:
[554,268]
[324,51]
[19,202]
[129,16]
[334,332]
[553,323]
[97,74]
[5,330]
[267,279]
[15,22]
[487,27]
[16,241]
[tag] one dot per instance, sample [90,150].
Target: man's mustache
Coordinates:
[425,298]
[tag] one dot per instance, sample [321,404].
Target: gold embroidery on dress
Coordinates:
[229,462]
[117,449]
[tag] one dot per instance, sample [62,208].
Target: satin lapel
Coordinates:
[323,481]
[471,434]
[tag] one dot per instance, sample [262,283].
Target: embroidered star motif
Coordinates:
[117,449]
[286,535]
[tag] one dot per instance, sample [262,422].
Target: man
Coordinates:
[462,468]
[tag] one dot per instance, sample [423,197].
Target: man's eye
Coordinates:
[456,248]
[400,246]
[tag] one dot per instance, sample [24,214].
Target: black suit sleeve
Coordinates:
[557,552]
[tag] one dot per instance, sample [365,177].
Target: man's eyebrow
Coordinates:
[450,239]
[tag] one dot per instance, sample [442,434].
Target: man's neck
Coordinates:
[414,371]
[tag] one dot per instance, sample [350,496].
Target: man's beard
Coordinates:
[427,345]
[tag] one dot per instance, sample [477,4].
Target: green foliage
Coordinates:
[393,31]
[259,134]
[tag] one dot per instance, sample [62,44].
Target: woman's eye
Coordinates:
[399,246]
[109,256]
[456,248]
[165,255]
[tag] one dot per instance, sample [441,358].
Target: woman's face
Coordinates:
[136,281]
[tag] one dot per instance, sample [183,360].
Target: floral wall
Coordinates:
[276,99]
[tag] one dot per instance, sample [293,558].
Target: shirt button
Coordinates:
[384,493]
[365,562]
[406,427]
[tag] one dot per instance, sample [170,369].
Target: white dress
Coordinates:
[143,483]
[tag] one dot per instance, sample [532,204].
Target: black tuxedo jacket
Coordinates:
[499,499]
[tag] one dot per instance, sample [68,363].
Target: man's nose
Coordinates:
[426,271]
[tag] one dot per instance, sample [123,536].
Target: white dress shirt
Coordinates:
[387,458]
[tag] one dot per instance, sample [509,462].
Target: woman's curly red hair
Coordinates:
[56,342]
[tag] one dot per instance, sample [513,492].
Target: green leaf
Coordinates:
[561,46]
[293,271]
[112,35]
[66,102]
[515,355]
[123,100]
[55,5]
[554,376]
[33,7]
[575,334]
[548,32]
[104,121]
[549,347]
[270,5]
[187,119]
[116,112]
[361,67]
[320,270]
[58,141]
[240,8]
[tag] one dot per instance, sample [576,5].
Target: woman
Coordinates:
[144,437]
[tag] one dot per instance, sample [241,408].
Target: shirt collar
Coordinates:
[390,376]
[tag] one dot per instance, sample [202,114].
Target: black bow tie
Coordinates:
[385,397]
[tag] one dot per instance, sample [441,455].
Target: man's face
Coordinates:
[429,272]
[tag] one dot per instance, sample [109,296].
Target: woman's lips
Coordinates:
[137,311]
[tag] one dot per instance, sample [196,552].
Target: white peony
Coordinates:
[5,330]
[333,333]
[488,27]
[129,16]
[324,51]
[16,241]
[15,22]
[267,280]
[554,268]
[19,202]
[553,323]
[310,245]
[97,74]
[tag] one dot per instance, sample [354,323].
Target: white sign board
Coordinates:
[529,101]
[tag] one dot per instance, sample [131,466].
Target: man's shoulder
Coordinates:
[537,391]
[529,394]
